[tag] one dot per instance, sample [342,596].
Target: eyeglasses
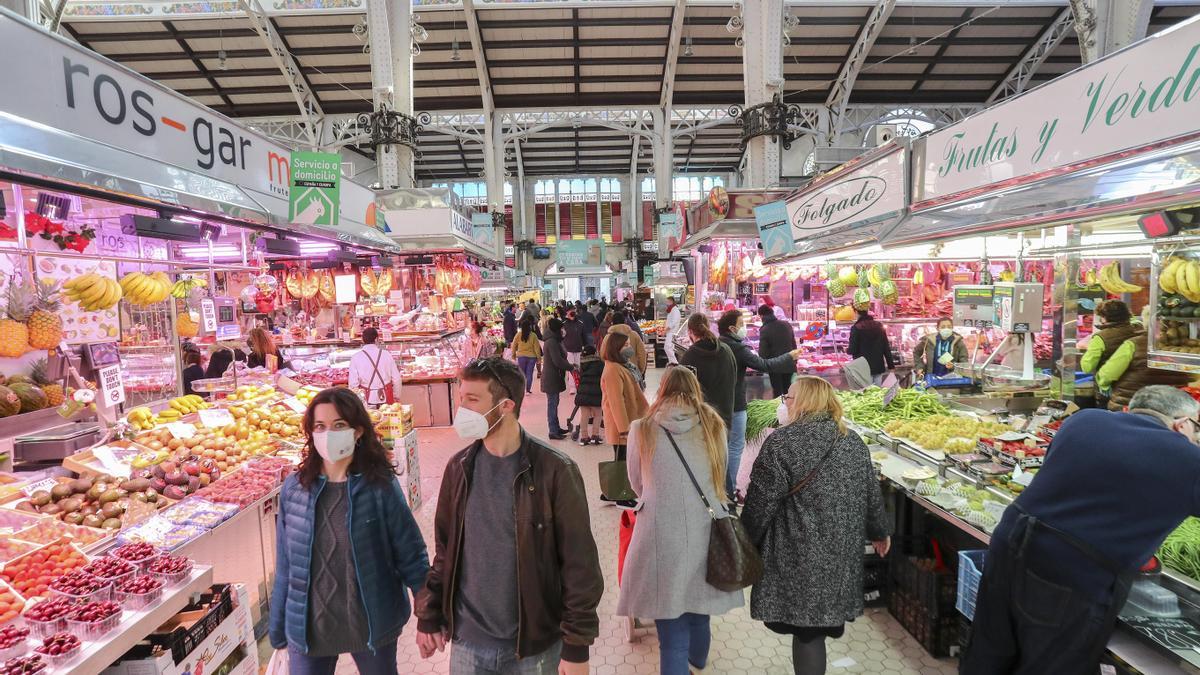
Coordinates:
[489,366]
[786,397]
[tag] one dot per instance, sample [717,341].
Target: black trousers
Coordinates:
[1027,625]
[780,383]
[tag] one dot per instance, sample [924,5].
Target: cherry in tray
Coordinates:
[140,585]
[135,552]
[108,568]
[96,611]
[49,610]
[169,564]
[23,665]
[77,583]
[11,635]
[59,644]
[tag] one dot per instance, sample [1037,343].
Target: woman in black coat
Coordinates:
[555,367]
[869,340]
[590,397]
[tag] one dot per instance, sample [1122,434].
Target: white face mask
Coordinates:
[945,333]
[740,333]
[782,415]
[334,446]
[471,425]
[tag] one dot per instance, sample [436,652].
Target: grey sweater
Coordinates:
[337,623]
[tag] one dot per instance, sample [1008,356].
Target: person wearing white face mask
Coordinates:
[813,499]
[732,328]
[936,353]
[511,513]
[348,549]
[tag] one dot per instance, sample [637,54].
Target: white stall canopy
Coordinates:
[1119,135]
[434,219]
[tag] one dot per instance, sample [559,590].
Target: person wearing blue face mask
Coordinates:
[348,550]
[936,353]
[512,512]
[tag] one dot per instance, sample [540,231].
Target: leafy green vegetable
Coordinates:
[1181,549]
[866,407]
[760,416]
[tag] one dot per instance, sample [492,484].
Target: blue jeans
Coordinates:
[552,413]
[681,642]
[527,363]
[468,659]
[382,662]
[736,443]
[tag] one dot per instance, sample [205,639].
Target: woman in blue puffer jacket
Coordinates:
[348,547]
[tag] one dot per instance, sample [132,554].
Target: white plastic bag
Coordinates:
[278,665]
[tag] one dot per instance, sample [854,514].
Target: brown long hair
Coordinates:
[261,343]
[370,457]
[812,396]
[699,325]
[680,388]
[611,346]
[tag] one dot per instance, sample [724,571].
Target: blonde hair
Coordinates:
[261,343]
[679,387]
[813,396]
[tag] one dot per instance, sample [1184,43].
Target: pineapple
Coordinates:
[14,334]
[53,391]
[45,325]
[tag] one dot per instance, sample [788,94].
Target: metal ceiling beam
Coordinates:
[302,91]
[671,60]
[839,93]
[1022,72]
[578,68]
[477,50]
[200,67]
[941,50]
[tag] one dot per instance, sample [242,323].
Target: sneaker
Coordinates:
[596,440]
[583,442]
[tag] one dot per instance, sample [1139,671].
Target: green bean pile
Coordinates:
[866,407]
[1181,549]
[760,416]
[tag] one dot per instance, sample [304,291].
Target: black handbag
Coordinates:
[733,560]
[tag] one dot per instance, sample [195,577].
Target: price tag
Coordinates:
[110,462]
[182,430]
[112,386]
[155,529]
[1021,477]
[295,404]
[891,393]
[215,418]
[44,484]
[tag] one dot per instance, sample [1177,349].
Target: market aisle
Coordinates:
[873,644]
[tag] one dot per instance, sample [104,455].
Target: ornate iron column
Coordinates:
[386,131]
[773,119]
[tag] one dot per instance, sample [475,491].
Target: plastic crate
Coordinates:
[935,589]
[936,632]
[947,381]
[970,572]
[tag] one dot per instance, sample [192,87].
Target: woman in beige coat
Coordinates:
[622,398]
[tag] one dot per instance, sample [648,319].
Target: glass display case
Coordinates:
[149,373]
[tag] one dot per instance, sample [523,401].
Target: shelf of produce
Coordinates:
[135,626]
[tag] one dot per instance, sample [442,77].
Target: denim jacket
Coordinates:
[389,557]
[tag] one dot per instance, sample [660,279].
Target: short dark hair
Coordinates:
[947,319]
[728,320]
[370,335]
[504,379]
[618,317]
[1114,311]
[766,310]
[191,357]
[555,326]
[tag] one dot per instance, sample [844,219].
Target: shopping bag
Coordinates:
[624,536]
[614,481]
[857,373]
[278,665]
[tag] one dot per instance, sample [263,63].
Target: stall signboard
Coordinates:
[314,188]
[82,93]
[670,232]
[1140,96]
[834,208]
[774,229]
[576,254]
[669,273]
[482,230]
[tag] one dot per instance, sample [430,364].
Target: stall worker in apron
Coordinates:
[1060,563]
[373,371]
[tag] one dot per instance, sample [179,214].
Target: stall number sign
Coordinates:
[112,387]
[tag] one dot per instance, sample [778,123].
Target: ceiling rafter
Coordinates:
[479,52]
[941,51]
[200,67]
[307,101]
[1023,71]
[671,57]
[869,33]
[578,68]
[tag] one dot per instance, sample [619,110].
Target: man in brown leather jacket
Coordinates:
[516,579]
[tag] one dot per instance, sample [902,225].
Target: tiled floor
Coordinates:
[873,644]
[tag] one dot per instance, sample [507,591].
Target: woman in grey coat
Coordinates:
[664,576]
[812,541]
[554,375]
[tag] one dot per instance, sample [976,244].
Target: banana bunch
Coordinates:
[183,288]
[1111,281]
[1181,276]
[188,404]
[149,458]
[146,289]
[93,292]
[141,418]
